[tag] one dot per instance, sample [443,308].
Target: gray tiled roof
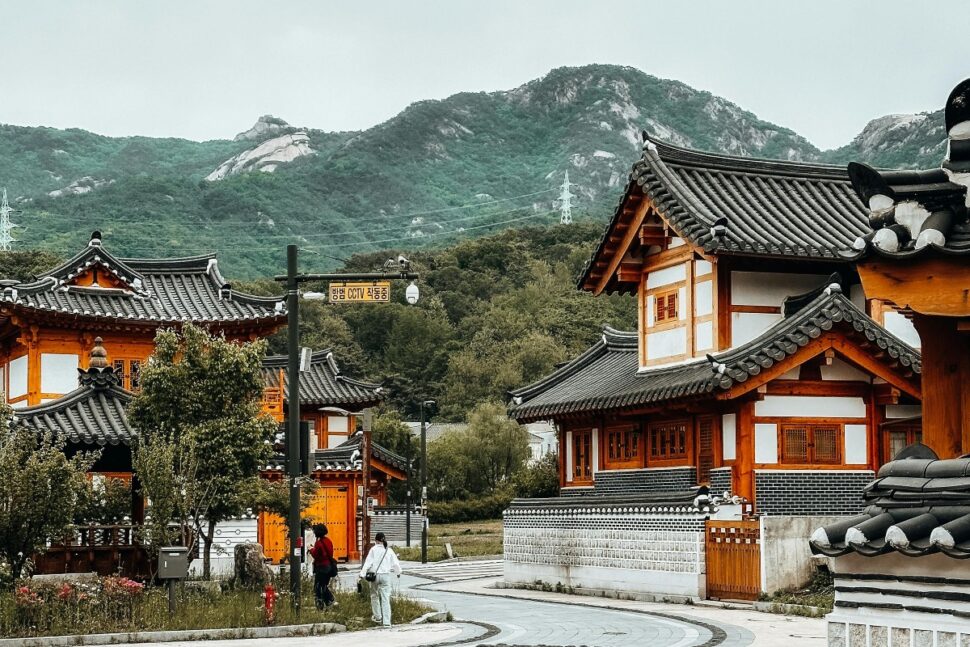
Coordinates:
[157,291]
[323,384]
[607,375]
[345,457]
[917,506]
[92,414]
[767,207]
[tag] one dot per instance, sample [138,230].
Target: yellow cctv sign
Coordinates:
[379,292]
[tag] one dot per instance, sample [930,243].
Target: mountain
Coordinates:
[438,171]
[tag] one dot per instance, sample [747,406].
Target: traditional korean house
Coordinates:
[331,403]
[759,367]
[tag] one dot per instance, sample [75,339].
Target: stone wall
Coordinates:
[607,544]
[654,479]
[811,492]
[720,480]
[894,600]
[786,557]
[392,521]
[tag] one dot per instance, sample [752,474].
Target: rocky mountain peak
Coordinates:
[265,126]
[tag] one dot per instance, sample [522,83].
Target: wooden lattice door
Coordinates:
[733,557]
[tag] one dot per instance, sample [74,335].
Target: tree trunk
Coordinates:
[207,538]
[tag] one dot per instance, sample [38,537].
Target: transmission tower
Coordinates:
[565,206]
[6,227]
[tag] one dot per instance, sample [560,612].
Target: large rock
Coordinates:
[265,126]
[266,156]
[250,569]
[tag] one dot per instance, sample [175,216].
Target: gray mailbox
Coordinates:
[173,563]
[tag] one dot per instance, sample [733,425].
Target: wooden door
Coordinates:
[329,507]
[733,555]
[271,533]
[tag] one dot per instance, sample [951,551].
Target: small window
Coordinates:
[811,444]
[668,440]
[665,307]
[128,372]
[622,445]
[899,437]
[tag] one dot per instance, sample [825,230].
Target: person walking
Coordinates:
[377,569]
[324,567]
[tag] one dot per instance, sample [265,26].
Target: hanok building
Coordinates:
[73,341]
[759,366]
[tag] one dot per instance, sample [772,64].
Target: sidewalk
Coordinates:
[769,630]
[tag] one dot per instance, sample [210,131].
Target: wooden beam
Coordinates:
[620,251]
[629,273]
[819,388]
[667,258]
[930,286]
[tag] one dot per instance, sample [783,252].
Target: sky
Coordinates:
[207,69]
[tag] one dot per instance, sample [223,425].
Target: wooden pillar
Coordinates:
[744,463]
[946,385]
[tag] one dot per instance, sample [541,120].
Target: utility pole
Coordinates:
[424,479]
[565,204]
[407,496]
[6,227]
[293,421]
[365,455]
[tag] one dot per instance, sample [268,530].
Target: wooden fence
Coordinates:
[733,560]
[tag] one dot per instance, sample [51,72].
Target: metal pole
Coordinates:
[424,483]
[293,421]
[365,454]
[407,498]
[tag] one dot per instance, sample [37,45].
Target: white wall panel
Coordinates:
[666,276]
[729,438]
[18,377]
[667,343]
[704,335]
[650,307]
[764,289]
[704,298]
[337,424]
[596,450]
[902,327]
[745,326]
[58,372]
[903,410]
[803,406]
[682,303]
[569,456]
[840,370]
[676,241]
[702,267]
[856,452]
[765,444]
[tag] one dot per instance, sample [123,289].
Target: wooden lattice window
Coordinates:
[582,456]
[705,448]
[129,372]
[668,440]
[900,436]
[811,444]
[622,445]
[665,307]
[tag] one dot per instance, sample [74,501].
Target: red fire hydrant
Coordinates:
[269,595]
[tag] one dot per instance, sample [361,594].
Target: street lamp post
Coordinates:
[407,496]
[394,269]
[424,480]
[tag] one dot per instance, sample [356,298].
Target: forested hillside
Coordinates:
[438,172]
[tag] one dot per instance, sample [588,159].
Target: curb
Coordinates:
[433,616]
[790,609]
[285,631]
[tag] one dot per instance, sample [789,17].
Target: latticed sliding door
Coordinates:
[705,448]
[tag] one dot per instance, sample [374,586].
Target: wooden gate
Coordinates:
[733,555]
[329,507]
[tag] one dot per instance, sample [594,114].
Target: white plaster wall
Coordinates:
[902,327]
[745,326]
[766,443]
[856,450]
[840,370]
[569,456]
[903,410]
[729,425]
[337,424]
[228,534]
[650,307]
[667,342]
[58,372]
[770,289]
[704,298]
[682,303]
[704,335]
[675,242]
[666,276]
[614,580]
[810,407]
[786,557]
[702,268]
[18,377]
[595,445]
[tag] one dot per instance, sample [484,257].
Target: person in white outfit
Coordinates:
[382,563]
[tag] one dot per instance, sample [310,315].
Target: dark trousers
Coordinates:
[321,586]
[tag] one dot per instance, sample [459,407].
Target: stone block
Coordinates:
[900,637]
[922,638]
[946,639]
[250,569]
[837,634]
[878,636]
[857,636]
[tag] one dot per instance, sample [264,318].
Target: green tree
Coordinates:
[38,492]
[541,479]
[202,395]
[24,265]
[498,447]
[103,501]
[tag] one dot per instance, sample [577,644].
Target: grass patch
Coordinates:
[195,610]
[467,539]
[819,593]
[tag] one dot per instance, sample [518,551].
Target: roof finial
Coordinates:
[99,356]
[95,239]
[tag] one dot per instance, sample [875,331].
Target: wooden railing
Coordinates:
[105,550]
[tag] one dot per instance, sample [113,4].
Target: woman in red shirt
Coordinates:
[324,566]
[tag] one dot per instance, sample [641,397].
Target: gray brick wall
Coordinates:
[645,480]
[811,492]
[720,480]
[394,525]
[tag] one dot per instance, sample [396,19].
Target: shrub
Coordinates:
[484,507]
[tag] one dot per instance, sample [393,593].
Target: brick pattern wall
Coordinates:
[576,491]
[671,479]
[811,492]
[394,525]
[720,480]
[618,538]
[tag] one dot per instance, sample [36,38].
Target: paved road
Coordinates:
[454,571]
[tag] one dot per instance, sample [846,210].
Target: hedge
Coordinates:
[486,507]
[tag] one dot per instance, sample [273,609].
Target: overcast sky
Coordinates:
[206,70]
